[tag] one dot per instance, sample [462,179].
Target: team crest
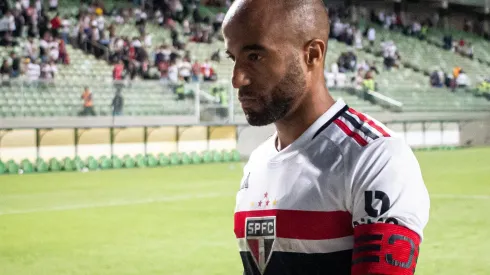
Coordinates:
[260,235]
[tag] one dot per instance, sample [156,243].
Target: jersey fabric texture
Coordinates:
[347,197]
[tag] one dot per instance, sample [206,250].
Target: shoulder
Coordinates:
[263,149]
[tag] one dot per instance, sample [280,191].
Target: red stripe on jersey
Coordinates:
[298,224]
[370,122]
[350,133]
[384,249]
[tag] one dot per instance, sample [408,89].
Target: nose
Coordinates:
[239,78]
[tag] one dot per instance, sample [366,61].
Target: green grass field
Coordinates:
[179,220]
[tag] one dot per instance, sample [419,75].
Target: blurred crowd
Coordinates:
[138,56]
[43,50]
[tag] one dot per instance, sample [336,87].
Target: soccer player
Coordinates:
[333,191]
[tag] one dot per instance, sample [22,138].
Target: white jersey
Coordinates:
[297,210]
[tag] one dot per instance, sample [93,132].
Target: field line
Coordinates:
[460,197]
[183,198]
[115,203]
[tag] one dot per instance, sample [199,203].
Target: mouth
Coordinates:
[247,101]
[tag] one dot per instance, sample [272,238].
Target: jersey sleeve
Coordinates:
[390,208]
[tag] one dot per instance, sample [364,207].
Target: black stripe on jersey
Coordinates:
[366,259]
[287,263]
[359,126]
[337,115]
[367,247]
[368,238]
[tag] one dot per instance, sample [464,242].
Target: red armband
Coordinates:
[384,249]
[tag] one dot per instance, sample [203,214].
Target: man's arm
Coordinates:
[390,208]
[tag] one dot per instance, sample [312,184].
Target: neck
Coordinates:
[313,105]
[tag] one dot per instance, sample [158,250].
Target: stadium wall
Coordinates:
[476,133]
[19,144]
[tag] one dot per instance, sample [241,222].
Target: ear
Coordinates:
[315,51]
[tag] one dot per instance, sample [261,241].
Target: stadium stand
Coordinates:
[408,84]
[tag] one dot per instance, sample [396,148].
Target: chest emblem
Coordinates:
[260,235]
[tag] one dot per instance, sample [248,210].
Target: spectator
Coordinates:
[371,36]
[435,79]
[88,103]
[462,81]
[5,71]
[207,71]
[469,50]
[117,72]
[173,72]
[448,42]
[48,70]
[196,71]
[56,25]
[30,49]
[358,39]
[179,88]
[390,54]
[368,83]
[15,65]
[185,70]
[33,71]
[65,30]
[53,5]
[117,103]
[218,21]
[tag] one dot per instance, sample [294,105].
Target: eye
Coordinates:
[253,57]
[229,56]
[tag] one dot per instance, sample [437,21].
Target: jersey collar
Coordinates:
[312,132]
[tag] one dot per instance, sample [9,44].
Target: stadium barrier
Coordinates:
[40,149]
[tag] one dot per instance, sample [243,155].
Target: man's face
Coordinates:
[267,72]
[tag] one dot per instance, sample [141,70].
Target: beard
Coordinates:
[282,97]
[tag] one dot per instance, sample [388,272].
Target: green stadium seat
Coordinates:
[141,161]
[105,163]
[227,156]
[68,164]
[207,157]
[128,162]
[217,156]
[41,166]
[186,159]
[236,155]
[12,168]
[54,165]
[175,159]
[92,164]
[27,166]
[79,164]
[2,168]
[196,158]
[152,161]
[163,160]
[117,162]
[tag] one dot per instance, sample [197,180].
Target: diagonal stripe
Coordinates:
[361,141]
[360,126]
[376,132]
[370,122]
[324,126]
